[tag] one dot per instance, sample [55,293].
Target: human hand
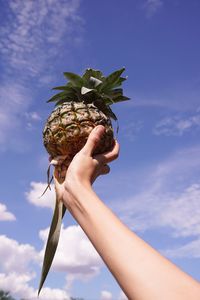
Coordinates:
[86,167]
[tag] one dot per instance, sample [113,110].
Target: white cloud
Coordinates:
[35,192]
[54,294]
[106,295]
[191,249]
[5,215]
[19,286]
[152,6]
[168,197]
[16,256]
[35,31]
[15,272]
[31,37]
[131,130]
[15,100]
[32,116]
[75,254]
[182,213]
[177,126]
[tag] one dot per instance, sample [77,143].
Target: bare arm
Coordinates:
[141,271]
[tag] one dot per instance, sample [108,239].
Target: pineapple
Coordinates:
[69,125]
[83,103]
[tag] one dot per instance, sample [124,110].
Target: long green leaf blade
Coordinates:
[63,88]
[112,79]
[74,79]
[119,81]
[52,241]
[121,98]
[57,97]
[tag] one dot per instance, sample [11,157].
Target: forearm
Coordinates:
[141,271]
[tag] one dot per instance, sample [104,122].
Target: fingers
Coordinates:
[93,140]
[105,169]
[110,155]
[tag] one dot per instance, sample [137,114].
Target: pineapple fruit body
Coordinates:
[69,125]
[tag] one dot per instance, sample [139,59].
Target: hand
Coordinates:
[86,167]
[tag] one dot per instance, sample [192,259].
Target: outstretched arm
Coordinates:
[141,271]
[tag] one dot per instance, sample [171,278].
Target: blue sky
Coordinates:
[154,187]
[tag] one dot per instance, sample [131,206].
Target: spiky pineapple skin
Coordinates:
[67,129]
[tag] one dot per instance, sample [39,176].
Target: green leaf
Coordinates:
[109,87]
[69,84]
[92,73]
[52,241]
[107,99]
[74,79]
[112,80]
[91,87]
[100,103]
[115,93]
[63,88]
[111,113]
[57,97]
[119,81]
[63,211]
[121,98]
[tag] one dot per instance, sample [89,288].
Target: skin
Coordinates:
[141,271]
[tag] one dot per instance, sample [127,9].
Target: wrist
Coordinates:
[75,193]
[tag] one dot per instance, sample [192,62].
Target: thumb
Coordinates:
[93,140]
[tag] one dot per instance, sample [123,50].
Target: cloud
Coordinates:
[106,295]
[31,37]
[33,115]
[168,197]
[34,33]
[184,97]
[177,126]
[75,254]
[5,215]
[151,7]
[53,294]
[18,285]
[131,130]
[182,213]
[15,271]
[15,100]
[35,192]
[17,257]
[191,249]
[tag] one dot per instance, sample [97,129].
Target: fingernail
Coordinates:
[99,128]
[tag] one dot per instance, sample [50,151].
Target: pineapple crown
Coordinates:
[92,87]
